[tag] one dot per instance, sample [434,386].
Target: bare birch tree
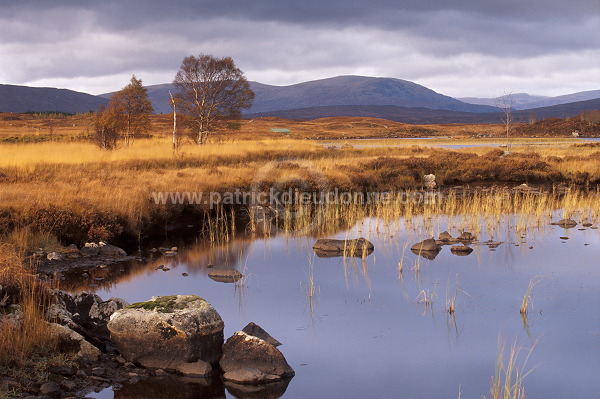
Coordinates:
[506,103]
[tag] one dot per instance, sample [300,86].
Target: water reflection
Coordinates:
[171,387]
[380,326]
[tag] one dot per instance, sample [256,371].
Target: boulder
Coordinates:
[250,360]
[168,331]
[225,274]
[461,250]
[257,331]
[328,247]
[567,223]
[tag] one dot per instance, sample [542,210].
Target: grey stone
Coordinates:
[167,331]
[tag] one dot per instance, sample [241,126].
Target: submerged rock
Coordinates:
[225,274]
[250,360]
[328,247]
[567,223]
[168,331]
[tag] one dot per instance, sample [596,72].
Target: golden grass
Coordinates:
[78,176]
[30,333]
[509,376]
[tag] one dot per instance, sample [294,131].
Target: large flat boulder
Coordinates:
[250,360]
[168,331]
[329,247]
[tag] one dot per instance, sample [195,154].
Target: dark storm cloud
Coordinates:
[284,40]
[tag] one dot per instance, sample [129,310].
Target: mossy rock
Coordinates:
[165,304]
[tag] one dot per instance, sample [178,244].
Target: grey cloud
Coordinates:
[405,39]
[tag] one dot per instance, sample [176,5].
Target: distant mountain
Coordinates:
[338,91]
[526,101]
[355,90]
[40,99]
[426,115]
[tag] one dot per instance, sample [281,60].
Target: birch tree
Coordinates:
[211,91]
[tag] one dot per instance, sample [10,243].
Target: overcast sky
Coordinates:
[455,47]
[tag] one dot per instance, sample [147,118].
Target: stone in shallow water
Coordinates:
[250,360]
[328,247]
[567,223]
[225,274]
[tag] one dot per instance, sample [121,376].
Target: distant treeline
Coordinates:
[48,114]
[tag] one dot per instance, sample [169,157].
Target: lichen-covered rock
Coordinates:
[168,331]
[250,360]
[328,247]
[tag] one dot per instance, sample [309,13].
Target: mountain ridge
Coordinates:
[14,98]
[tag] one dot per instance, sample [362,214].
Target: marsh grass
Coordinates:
[24,333]
[527,300]
[509,375]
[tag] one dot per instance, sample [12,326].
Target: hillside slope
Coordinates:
[40,99]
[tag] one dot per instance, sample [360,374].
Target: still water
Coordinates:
[367,332]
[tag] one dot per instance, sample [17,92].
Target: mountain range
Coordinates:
[387,98]
[526,101]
